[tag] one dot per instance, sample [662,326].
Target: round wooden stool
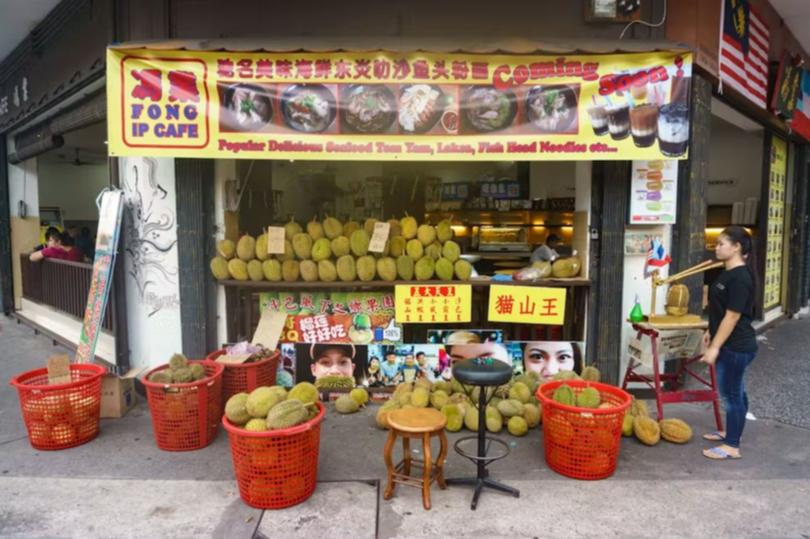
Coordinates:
[417,423]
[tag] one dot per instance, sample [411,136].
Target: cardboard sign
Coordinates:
[269,329]
[59,369]
[233,359]
[526,304]
[380,236]
[433,304]
[275,240]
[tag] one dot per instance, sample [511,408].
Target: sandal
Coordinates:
[718,453]
[715,436]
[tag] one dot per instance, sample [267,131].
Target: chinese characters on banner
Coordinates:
[526,304]
[776,223]
[388,105]
[433,304]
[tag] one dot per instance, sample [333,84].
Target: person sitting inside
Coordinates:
[84,243]
[59,246]
[547,252]
[51,231]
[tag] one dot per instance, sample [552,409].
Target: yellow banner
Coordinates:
[433,304]
[389,106]
[526,304]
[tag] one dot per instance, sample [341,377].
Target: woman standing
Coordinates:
[731,341]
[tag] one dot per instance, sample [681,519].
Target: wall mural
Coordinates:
[150,233]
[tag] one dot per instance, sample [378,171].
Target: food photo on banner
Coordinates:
[383,105]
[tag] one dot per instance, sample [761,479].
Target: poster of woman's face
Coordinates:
[547,358]
[314,361]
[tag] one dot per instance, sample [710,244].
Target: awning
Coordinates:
[410,44]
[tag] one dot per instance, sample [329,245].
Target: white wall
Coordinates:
[72,188]
[150,260]
[553,179]
[735,155]
[224,170]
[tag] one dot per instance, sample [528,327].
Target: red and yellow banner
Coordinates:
[433,304]
[526,304]
[389,106]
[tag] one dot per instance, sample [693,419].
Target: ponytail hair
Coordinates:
[739,235]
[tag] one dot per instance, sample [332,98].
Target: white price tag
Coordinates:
[275,240]
[380,236]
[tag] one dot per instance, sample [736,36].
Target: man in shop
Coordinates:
[50,232]
[332,360]
[547,252]
[390,369]
[59,246]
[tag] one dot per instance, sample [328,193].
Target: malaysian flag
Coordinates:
[744,39]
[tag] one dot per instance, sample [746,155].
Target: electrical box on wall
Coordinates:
[612,11]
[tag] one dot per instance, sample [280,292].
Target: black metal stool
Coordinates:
[483,373]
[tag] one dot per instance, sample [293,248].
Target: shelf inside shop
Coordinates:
[512,217]
[353,285]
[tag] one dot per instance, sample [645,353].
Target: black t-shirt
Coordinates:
[734,290]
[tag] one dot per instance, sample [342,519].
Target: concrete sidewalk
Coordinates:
[121,485]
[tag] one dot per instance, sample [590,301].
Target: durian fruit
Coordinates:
[589,398]
[544,266]
[272,270]
[327,271]
[566,267]
[178,361]
[346,405]
[340,246]
[444,269]
[350,227]
[463,270]
[381,417]
[261,247]
[302,245]
[366,267]
[161,377]
[286,414]
[321,249]
[434,251]
[197,371]
[627,425]
[471,418]
[238,269]
[590,373]
[405,268]
[638,408]
[290,270]
[414,249]
[451,251]
[531,413]
[304,392]
[219,268]
[358,242]
[332,228]
[246,248]
[565,375]
[646,430]
[423,270]
[426,234]
[334,382]
[396,246]
[441,385]
[676,431]
[236,409]
[530,379]
[360,396]
[289,252]
[520,391]
[420,397]
[256,425]
[182,375]
[387,269]
[315,229]
[395,229]
[409,227]
[260,401]
[564,395]
[226,249]
[309,270]
[444,231]
[438,399]
[255,271]
[292,228]
[494,419]
[517,426]
[368,226]
[510,407]
[346,268]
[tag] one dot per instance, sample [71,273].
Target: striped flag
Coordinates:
[744,40]
[657,257]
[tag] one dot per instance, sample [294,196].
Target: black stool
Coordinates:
[483,373]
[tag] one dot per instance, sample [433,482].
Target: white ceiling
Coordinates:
[18,18]
[796,14]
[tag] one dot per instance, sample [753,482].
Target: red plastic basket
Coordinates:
[277,468]
[61,415]
[245,377]
[186,416]
[583,443]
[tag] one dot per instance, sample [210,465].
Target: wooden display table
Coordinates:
[687,366]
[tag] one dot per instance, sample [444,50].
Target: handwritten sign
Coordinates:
[269,329]
[380,236]
[59,369]
[526,304]
[275,240]
[433,304]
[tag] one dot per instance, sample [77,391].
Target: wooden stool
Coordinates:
[415,423]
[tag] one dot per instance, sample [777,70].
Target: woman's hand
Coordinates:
[707,340]
[710,355]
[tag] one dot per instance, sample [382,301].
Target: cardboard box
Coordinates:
[118,394]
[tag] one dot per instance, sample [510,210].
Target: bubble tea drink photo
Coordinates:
[643,124]
[618,121]
[673,129]
[599,119]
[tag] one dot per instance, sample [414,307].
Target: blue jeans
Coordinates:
[730,368]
